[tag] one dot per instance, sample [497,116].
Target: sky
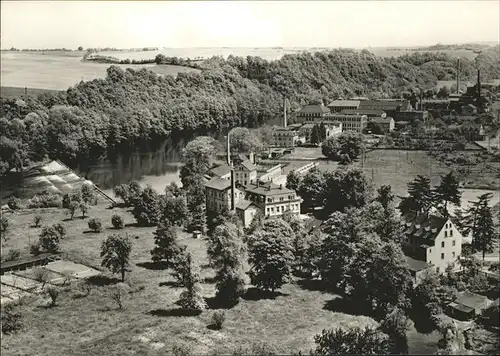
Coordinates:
[354,24]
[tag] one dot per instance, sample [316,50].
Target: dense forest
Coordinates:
[128,107]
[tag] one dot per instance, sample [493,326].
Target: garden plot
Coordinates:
[25,284]
[73,269]
[52,277]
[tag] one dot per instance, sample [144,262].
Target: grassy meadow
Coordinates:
[150,323]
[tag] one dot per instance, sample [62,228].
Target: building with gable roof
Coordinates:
[432,239]
[245,172]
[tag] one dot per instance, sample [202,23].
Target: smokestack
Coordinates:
[458,75]
[228,147]
[478,84]
[233,190]
[285,123]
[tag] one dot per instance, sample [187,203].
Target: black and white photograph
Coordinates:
[250,177]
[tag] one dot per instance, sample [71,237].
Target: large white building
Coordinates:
[350,122]
[432,239]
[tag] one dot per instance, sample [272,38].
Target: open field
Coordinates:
[149,324]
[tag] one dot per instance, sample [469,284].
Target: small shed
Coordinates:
[467,305]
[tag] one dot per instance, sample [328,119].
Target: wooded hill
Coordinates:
[129,106]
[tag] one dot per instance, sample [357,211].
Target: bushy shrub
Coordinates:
[117,221]
[53,293]
[37,220]
[44,199]
[13,255]
[35,248]
[14,203]
[181,350]
[95,224]
[218,318]
[11,320]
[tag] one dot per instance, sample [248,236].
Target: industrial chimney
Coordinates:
[233,190]
[285,123]
[478,84]
[421,105]
[228,153]
[458,75]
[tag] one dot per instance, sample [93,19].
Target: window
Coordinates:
[453,243]
[430,250]
[446,234]
[453,253]
[451,233]
[442,244]
[281,199]
[272,210]
[437,269]
[442,256]
[268,210]
[282,208]
[269,200]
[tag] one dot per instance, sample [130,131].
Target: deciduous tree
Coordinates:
[147,207]
[271,255]
[115,253]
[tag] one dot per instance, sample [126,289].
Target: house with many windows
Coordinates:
[273,199]
[340,105]
[432,239]
[245,172]
[218,194]
[349,122]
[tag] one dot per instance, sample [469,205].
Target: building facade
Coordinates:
[245,173]
[270,174]
[350,122]
[273,199]
[432,239]
[246,211]
[218,194]
[285,137]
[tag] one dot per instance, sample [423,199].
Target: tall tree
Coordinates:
[483,230]
[226,251]
[420,197]
[271,255]
[244,140]
[293,180]
[147,209]
[312,189]
[115,253]
[448,192]
[315,134]
[166,247]
[346,187]
[191,298]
